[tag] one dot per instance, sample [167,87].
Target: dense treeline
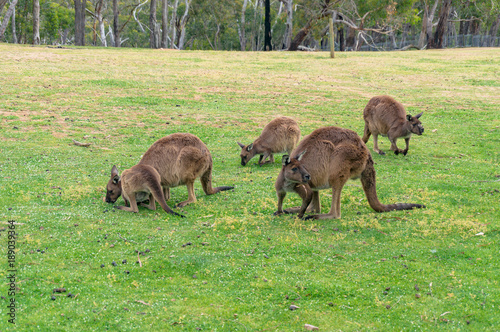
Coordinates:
[241,24]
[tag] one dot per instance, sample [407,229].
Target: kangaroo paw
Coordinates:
[405,152]
[382,153]
[278,213]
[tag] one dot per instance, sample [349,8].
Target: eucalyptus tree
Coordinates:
[10,12]
[80,22]
[36,22]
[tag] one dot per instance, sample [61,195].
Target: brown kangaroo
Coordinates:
[385,116]
[139,184]
[327,158]
[179,159]
[280,135]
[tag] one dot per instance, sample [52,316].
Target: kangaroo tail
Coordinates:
[206,183]
[158,195]
[369,186]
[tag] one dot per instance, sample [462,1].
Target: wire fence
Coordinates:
[448,42]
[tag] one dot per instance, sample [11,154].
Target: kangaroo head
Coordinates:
[293,169]
[114,186]
[247,153]
[416,126]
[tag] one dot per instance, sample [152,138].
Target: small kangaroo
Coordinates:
[327,158]
[280,135]
[385,116]
[179,159]
[138,184]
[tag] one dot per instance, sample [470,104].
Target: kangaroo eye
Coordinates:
[295,169]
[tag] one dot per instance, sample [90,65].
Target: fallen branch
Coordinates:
[407,47]
[139,260]
[81,144]
[304,48]
[382,232]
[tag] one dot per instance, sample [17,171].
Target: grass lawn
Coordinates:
[231,265]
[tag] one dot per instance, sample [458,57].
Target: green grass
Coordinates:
[245,267]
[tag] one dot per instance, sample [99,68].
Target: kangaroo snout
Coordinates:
[306,178]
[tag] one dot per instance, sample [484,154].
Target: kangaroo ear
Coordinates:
[408,117]
[300,155]
[116,178]
[285,160]
[114,171]
[250,147]
[419,115]
[241,145]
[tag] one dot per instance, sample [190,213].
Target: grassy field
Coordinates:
[230,265]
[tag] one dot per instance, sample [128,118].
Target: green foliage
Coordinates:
[56,18]
[424,270]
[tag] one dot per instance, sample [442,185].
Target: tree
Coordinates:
[437,41]
[267,26]
[153,30]
[182,24]
[116,30]
[241,27]
[2,4]
[80,22]
[318,9]
[164,23]
[287,38]
[36,22]
[6,18]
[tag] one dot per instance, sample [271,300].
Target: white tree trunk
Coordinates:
[164,23]
[241,27]
[135,16]
[14,35]
[289,24]
[111,36]
[36,22]
[100,22]
[6,18]
[173,22]
[183,24]
[426,32]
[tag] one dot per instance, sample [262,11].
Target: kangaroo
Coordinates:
[179,159]
[138,184]
[385,116]
[327,158]
[280,135]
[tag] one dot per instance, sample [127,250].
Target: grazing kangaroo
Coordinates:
[327,158]
[385,116]
[179,159]
[280,135]
[139,184]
